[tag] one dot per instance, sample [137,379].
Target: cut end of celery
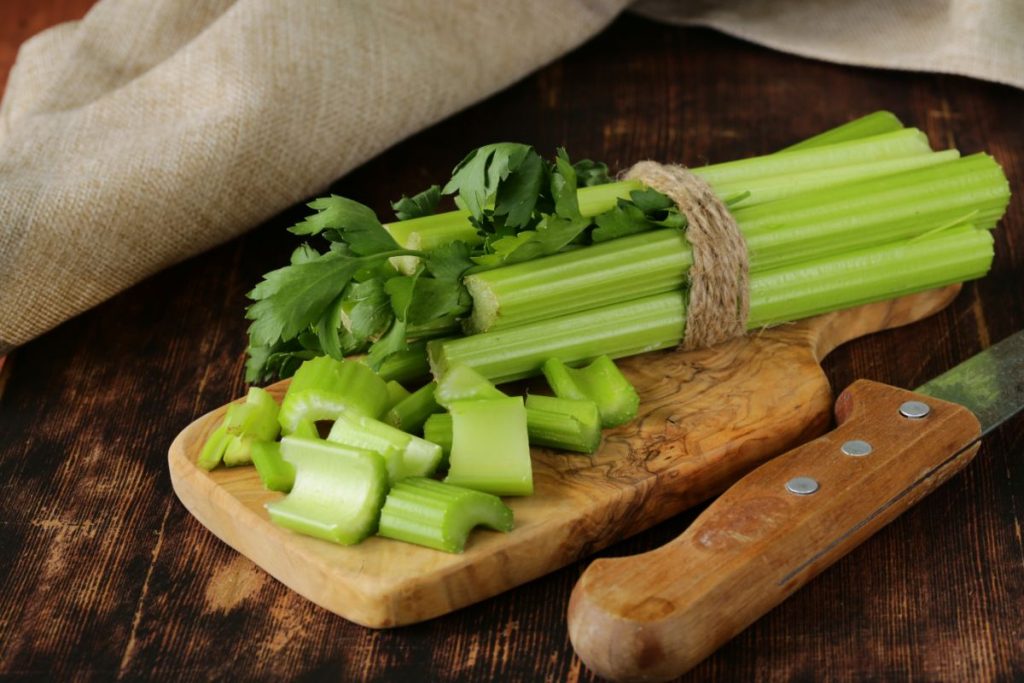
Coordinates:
[463,383]
[600,382]
[485,305]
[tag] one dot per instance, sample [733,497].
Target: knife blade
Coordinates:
[656,615]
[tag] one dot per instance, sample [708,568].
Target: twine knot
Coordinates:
[719,277]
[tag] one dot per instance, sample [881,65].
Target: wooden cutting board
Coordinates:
[706,418]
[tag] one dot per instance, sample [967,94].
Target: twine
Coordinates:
[719,281]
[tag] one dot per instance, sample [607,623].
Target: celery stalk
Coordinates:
[440,516]
[410,414]
[405,455]
[275,472]
[337,494]
[324,388]
[784,294]
[875,123]
[490,448]
[599,382]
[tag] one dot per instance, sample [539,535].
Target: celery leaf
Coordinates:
[290,299]
[419,205]
[343,220]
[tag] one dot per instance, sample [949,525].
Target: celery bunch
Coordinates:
[554,259]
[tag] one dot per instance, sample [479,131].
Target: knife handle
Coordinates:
[656,615]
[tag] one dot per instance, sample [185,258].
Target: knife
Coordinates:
[656,615]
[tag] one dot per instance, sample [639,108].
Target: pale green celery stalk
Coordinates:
[404,454]
[551,422]
[785,294]
[430,232]
[956,254]
[396,394]
[405,366]
[600,382]
[875,123]
[275,472]
[439,516]
[411,413]
[828,222]
[337,494]
[490,448]
[622,329]
[772,188]
[324,388]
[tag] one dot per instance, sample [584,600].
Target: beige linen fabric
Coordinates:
[154,129]
[978,38]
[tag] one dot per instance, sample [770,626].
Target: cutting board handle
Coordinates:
[656,615]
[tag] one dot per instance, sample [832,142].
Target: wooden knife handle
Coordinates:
[656,615]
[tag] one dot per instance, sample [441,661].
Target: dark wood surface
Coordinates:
[104,574]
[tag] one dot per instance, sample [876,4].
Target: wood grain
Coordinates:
[705,419]
[657,615]
[105,575]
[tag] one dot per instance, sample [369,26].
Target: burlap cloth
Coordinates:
[152,130]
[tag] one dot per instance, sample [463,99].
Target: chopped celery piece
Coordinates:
[405,455]
[213,449]
[239,451]
[564,423]
[275,472]
[490,448]
[463,383]
[438,429]
[439,516]
[396,394]
[600,382]
[244,423]
[337,494]
[324,388]
[561,423]
[411,413]
[257,417]
[406,366]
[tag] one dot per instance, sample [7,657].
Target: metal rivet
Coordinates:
[915,410]
[802,486]
[856,448]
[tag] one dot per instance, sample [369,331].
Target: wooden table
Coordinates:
[106,575]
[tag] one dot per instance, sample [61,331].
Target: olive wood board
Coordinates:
[706,418]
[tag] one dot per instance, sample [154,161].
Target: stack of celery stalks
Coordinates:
[864,212]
